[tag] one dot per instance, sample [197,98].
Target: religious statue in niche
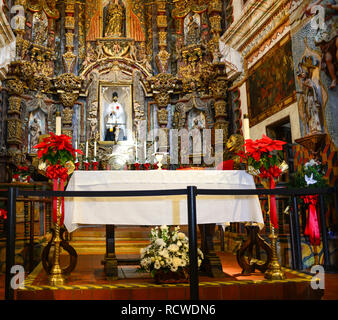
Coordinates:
[35,132]
[40,28]
[327,36]
[114,17]
[192,29]
[196,124]
[116,121]
[311,99]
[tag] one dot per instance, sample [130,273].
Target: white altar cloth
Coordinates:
[159,210]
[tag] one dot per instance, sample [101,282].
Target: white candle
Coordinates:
[136,153]
[94,149]
[75,148]
[58,124]
[246,128]
[87,149]
[145,150]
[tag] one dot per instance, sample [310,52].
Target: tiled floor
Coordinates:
[133,285]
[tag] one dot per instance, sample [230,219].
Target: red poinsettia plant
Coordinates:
[21,174]
[265,161]
[57,156]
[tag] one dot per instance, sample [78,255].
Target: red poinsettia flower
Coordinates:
[55,143]
[3,214]
[267,144]
[56,171]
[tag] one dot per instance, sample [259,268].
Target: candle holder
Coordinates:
[86,164]
[95,164]
[56,277]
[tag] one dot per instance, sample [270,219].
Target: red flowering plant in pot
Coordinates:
[57,156]
[264,158]
[21,174]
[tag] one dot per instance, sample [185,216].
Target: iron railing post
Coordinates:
[10,243]
[299,262]
[192,227]
[324,232]
[293,240]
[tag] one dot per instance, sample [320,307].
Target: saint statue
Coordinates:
[195,137]
[116,121]
[114,20]
[326,38]
[193,32]
[311,96]
[35,132]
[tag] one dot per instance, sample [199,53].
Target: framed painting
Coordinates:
[116,112]
[271,83]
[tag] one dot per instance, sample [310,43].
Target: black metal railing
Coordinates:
[191,192]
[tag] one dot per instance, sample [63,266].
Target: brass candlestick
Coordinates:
[56,278]
[274,271]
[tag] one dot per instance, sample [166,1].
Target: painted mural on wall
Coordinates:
[271,83]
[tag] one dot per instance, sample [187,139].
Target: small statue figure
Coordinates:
[235,145]
[193,32]
[327,38]
[35,132]
[116,121]
[114,20]
[311,97]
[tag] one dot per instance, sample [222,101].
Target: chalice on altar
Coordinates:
[159,157]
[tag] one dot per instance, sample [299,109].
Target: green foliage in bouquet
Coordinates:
[311,175]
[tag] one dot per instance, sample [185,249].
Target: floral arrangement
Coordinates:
[21,174]
[310,175]
[168,252]
[57,156]
[265,161]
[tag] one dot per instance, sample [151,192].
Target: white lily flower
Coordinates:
[310,163]
[310,180]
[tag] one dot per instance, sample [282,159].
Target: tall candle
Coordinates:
[58,123]
[246,127]
[94,149]
[87,149]
[145,150]
[136,153]
[75,148]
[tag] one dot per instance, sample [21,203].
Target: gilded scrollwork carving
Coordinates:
[67,115]
[68,82]
[15,87]
[14,131]
[14,105]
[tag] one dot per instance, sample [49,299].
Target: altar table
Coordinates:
[159,210]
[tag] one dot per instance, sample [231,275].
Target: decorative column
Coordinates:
[68,87]
[69,58]
[219,92]
[162,85]
[162,58]
[215,18]
[19,72]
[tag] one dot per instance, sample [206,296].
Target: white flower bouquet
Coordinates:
[167,255]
